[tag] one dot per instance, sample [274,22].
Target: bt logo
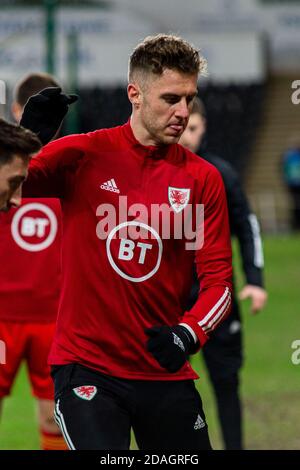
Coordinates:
[34,227]
[128,247]
[134,260]
[31,227]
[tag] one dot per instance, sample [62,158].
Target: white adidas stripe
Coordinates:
[222,312]
[217,317]
[59,418]
[216,311]
[215,307]
[258,251]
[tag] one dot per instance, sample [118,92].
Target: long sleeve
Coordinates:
[48,171]
[213,263]
[243,224]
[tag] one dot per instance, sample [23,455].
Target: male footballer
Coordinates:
[119,356]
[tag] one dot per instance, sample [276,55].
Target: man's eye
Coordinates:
[171,100]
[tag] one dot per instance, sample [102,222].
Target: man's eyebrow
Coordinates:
[170,95]
[174,95]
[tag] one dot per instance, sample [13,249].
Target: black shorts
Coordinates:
[95,411]
[223,352]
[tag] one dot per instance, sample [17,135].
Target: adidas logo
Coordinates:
[199,424]
[178,342]
[110,185]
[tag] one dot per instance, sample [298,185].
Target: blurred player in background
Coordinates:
[291,174]
[30,277]
[17,146]
[223,353]
[123,336]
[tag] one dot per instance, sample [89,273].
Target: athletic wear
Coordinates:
[170,346]
[223,353]
[230,411]
[30,342]
[243,223]
[30,274]
[44,112]
[96,412]
[115,288]
[30,278]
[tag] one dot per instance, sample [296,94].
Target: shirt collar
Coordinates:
[147,151]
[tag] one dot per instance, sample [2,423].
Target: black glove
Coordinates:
[44,112]
[170,345]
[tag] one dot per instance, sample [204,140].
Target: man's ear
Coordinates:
[134,94]
[17,111]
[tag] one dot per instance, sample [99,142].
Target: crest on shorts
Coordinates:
[86,392]
[178,198]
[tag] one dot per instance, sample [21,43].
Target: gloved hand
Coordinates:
[170,345]
[44,112]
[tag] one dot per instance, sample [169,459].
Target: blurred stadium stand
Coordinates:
[253,54]
[234,113]
[247,126]
[280,120]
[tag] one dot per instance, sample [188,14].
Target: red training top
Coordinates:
[117,285]
[30,261]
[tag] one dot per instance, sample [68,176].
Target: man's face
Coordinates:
[12,175]
[193,134]
[164,105]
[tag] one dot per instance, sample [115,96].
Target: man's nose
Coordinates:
[182,109]
[16,198]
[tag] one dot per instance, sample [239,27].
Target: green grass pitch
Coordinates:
[270,382]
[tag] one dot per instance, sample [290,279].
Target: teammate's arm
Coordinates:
[49,171]
[246,228]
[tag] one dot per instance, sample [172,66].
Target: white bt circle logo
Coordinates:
[135,255]
[34,231]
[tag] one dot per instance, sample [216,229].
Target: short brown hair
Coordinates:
[15,140]
[163,51]
[31,85]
